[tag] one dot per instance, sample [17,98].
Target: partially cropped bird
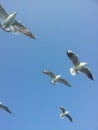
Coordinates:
[79,66]
[65,113]
[56,78]
[9,23]
[5,108]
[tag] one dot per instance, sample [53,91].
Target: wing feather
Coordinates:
[87,71]
[3,13]
[20,28]
[73,57]
[64,81]
[5,108]
[69,117]
[51,74]
[62,109]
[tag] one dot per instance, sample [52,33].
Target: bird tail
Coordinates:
[61,116]
[13,30]
[73,71]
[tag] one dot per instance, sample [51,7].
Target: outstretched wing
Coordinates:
[62,109]
[51,74]
[73,57]
[5,108]
[64,81]
[88,73]
[3,13]
[20,28]
[69,117]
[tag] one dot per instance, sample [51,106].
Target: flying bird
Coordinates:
[5,108]
[9,23]
[65,113]
[56,78]
[79,66]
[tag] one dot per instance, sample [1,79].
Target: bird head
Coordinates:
[70,53]
[15,13]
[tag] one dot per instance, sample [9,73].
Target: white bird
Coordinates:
[79,66]
[5,108]
[9,23]
[65,113]
[56,78]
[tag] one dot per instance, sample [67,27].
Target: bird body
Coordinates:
[9,23]
[65,113]
[56,78]
[79,66]
[75,69]
[62,115]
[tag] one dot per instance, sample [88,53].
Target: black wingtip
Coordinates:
[33,36]
[7,110]
[91,77]
[44,71]
[69,85]
[10,112]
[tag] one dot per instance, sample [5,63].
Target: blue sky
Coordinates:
[59,25]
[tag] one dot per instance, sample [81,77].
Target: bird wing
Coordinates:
[87,72]
[3,13]
[64,81]
[69,117]
[5,108]
[73,57]
[20,28]
[62,109]
[51,74]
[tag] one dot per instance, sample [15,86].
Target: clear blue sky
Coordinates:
[60,25]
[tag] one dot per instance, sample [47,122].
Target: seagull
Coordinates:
[56,78]
[5,108]
[79,66]
[9,23]
[65,113]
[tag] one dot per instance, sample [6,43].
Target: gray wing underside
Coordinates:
[62,109]
[69,117]
[75,59]
[88,73]
[20,28]
[51,74]
[64,82]
[3,13]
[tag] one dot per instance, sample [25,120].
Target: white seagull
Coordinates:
[9,23]
[5,108]
[65,113]
[56,78]
[79,66]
